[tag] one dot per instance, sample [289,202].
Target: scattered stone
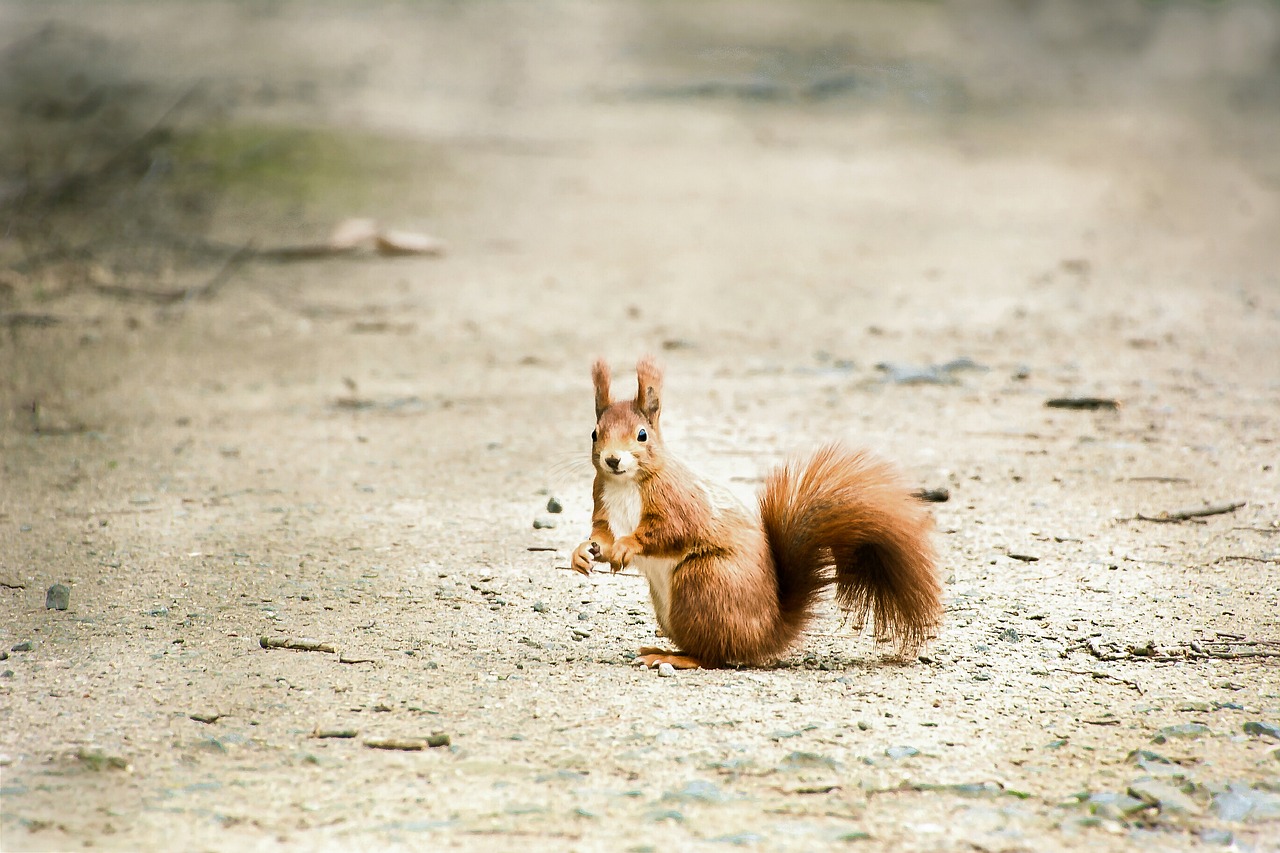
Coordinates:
[544,522]
[697,791]
[24,646]
[438,739]
[206,717]
[1114,806]
[539,607]
[579,635]
[158,611]
[1182,730]
[1165,797]
[855,835]
[554,506]
[666,670]
[739,839]
[58,597]
[97,760]
[1192,706]
[930,374]
[1237,801]
[1010,635]
[899,752]
[659,815]
[1261,728]
[335,733]
[800,760]
[964,789]
[863,726]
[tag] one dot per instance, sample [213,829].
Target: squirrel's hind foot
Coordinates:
[651,657]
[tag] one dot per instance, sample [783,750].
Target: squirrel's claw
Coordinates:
[583,556]
[624,551]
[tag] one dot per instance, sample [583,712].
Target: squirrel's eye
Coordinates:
[594,436]
[642,435]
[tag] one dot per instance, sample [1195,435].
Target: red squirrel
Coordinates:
[730,586]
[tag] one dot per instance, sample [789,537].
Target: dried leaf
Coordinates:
[408,243]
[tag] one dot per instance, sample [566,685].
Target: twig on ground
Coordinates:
[1225,648]
[1190,514]
[182,294]
[601,572]
[1229,557]
[14,319]
[1098,674]
[1091,404]
[296,645]
[334,733]
[414,744]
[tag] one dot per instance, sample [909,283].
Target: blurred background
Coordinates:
[144,142]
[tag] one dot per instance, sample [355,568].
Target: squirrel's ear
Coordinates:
[600,379]
[649,388]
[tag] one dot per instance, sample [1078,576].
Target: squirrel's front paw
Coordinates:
[583,556]
[623,552]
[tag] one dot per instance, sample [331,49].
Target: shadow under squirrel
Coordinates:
[732,586]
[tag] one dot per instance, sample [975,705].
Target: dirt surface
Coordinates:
[776,200]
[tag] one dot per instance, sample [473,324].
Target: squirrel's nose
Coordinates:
[612,462]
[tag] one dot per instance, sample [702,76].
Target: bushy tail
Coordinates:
[846,517]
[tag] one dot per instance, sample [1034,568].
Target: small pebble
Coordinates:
[543,522]
[553,505]
[1262,728]
[666,670]
[24,646]
[58,597]
[539,607]
[1183,730]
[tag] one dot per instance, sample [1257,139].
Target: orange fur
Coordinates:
[743,587]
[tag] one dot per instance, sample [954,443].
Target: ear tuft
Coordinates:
[649,388]
[600,379]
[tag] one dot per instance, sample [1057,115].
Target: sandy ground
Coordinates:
[775,200]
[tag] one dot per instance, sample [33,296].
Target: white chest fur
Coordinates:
[622,504]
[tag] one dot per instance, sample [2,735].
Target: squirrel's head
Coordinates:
[626,442]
